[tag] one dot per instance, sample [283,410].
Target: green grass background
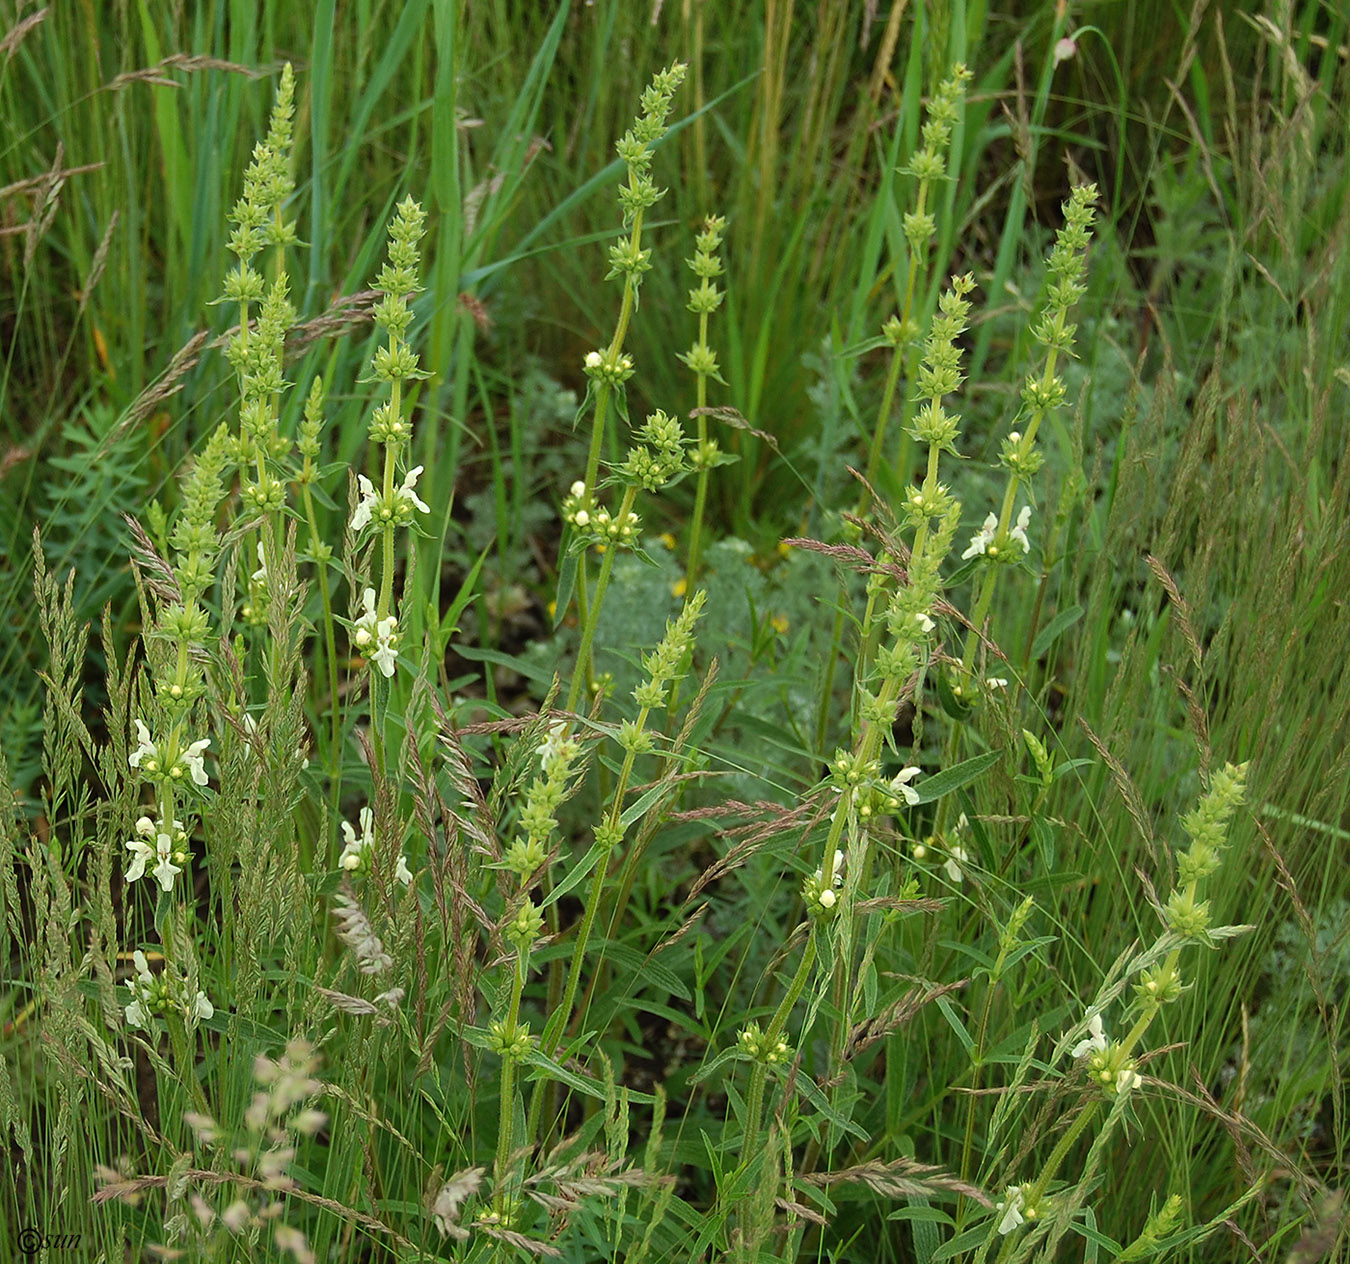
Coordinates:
[1209,431]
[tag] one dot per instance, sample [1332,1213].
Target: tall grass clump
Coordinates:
[487,830]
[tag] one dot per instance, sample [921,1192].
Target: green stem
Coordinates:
[507,1105]
[1004,518]
[593,614]
[329,630]
[701,486]
[1057,1156]
[754,1104]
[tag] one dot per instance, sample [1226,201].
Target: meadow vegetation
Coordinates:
[674,632]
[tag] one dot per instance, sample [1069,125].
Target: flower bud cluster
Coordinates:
[900,333]
[940,371]
[525,926]
[909,616]
[670,660]
[758,1046]
[1207,825]
[612,371]
[397,281]
[703,301]
[658,456]
[194,537]
[311,426]
[927,502]
[1159,985]
[1186,915]
[1020,455]
[546,794]
[1067,267]
[706,455]
[929,163]
[822,898]
[636,145]
[256,352]
[851,769]
[267,185]
[510,1041]
[1040,756]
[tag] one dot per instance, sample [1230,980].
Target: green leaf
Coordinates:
[1053,630]
[957,708]
[638,809]
[806,1086]
[546,1069]
[960,1244]
[575,875]
[531,671]
[648,971]
[709,1067]
[449,625]
[955,777]
[567,582]
[954,1021]
[924,1220]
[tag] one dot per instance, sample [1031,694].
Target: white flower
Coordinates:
[551,747]
[166,871]
[900,785]
[202,1009]
[365,625]
[260,575]
[1019,532]
[406,491]
[594,359]
[981,540]
[827,898]
[578,489]
[1096,1039]
[370,500]
[357,849]
[925,622]
[386,656]
[146,748]
[356,853]
[1011,1207]
[997,682]
[162,851]
[192,757]
[1126,1079]
[370,630]
[956,857]
[137,1014]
